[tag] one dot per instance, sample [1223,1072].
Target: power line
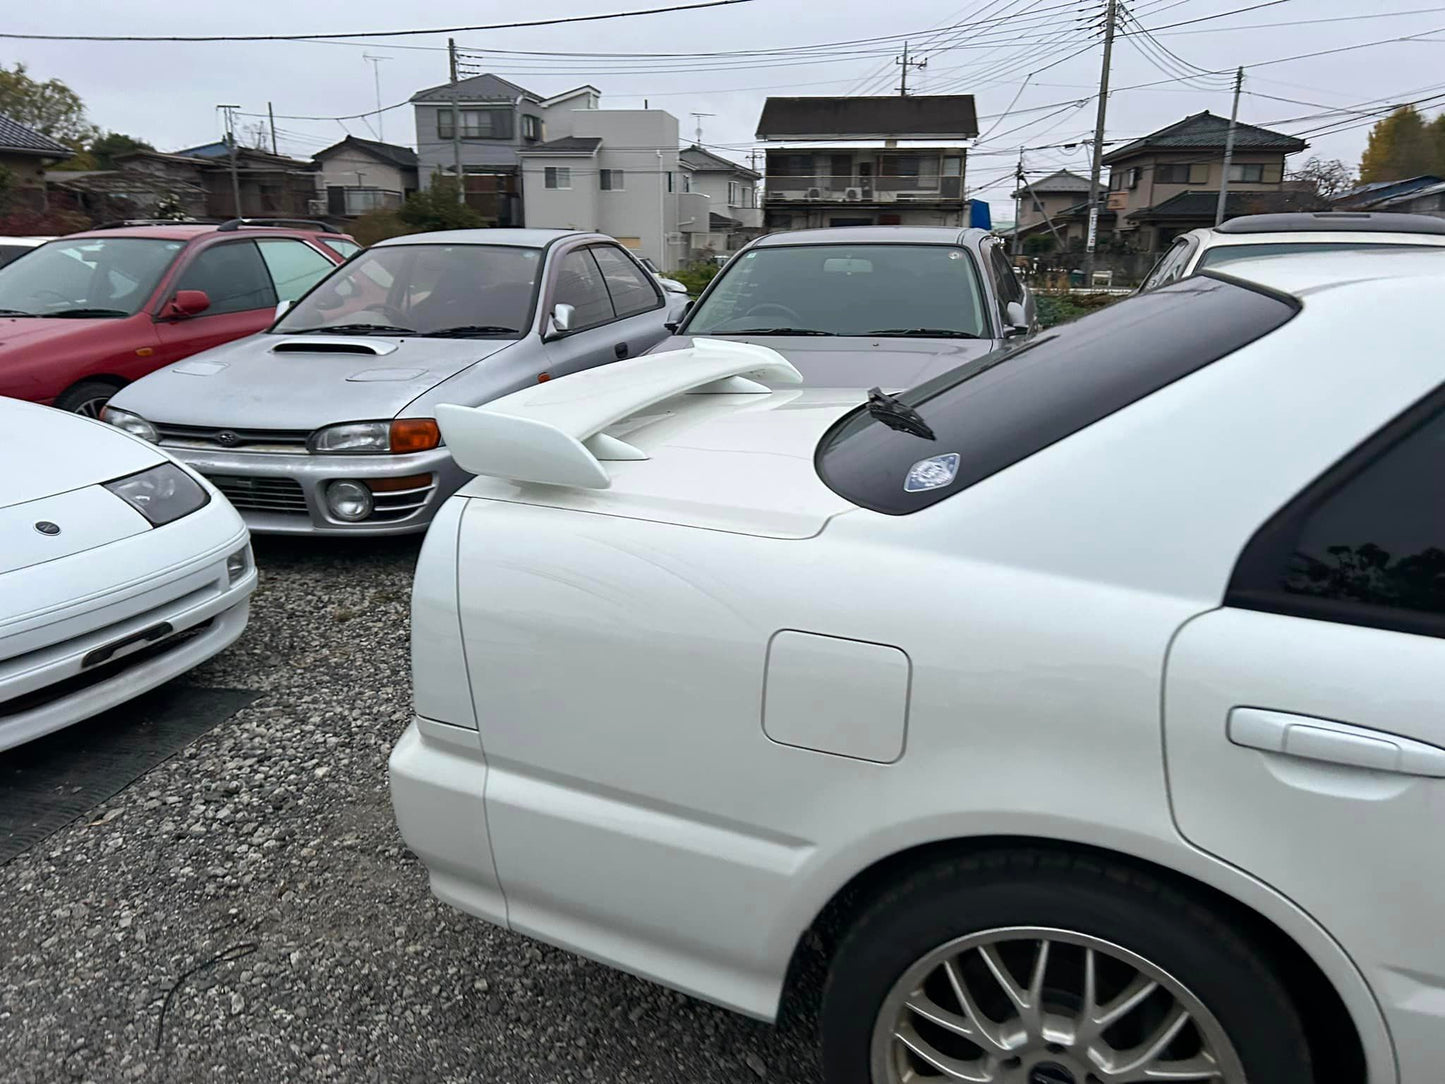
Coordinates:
[372,33]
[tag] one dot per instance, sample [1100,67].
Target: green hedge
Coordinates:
[1057,309]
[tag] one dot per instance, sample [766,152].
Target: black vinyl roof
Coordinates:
[1334,222]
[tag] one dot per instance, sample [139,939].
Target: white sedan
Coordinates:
[119,569]
[1086,699]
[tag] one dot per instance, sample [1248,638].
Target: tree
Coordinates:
[1399,146]
[436,208]
[51,108]
[108,147]
[1328,177]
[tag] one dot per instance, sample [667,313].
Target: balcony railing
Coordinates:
[882,188]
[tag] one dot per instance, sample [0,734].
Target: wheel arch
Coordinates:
[1352,1049]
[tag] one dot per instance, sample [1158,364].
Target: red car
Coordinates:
[84,315]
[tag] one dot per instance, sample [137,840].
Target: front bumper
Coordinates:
[65,662]
[282,493]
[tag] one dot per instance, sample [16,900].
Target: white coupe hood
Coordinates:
[44,452]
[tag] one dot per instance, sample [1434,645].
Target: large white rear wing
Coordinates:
[553,433]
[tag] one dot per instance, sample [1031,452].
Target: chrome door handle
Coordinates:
[1309,738]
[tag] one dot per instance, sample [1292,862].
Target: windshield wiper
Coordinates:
[88,312]
[353,329]
[927,332]
[773,331]
[896,414]
[461,331]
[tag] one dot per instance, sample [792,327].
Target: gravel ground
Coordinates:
[271,841]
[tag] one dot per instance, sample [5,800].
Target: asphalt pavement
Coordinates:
[245,911]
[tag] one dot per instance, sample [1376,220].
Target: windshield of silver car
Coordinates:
[861,289]
[483,291]
[86,276]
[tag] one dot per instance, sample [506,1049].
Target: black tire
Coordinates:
[950,899]
[86,398]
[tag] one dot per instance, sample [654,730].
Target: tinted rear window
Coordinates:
[1003,407]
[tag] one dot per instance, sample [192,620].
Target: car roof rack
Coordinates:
[299,223]
[122,223]
[1333,222]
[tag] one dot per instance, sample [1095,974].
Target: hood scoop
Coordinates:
[323,345]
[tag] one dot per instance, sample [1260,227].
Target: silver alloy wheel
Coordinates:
[1033,1005]
[91,408]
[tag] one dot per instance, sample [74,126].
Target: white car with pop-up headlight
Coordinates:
[120,569]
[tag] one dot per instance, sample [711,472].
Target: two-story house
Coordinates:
[734,216]
[1168,182]
[24,156]
[497,118]
[1041,202]
[841,183]
[360,175]
[616,171]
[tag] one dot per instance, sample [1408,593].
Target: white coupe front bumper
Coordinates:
[86,632]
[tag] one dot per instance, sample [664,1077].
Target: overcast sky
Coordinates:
[167,93]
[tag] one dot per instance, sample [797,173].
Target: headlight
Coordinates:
[401,435]
[238,563]
[133,424]
[161,494]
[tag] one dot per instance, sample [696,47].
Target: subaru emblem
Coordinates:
[228,437]
[46,527]
[930,473]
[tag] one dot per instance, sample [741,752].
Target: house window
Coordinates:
[558,177]
[531,126]
[483,123]
[1116,181]
[734,193]
[1131,178]
[909,171]
[1246,171]
[1182,173]
[670,182]
[612,180]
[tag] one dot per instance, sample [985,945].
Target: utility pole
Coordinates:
[271,113]
[1018,199]
[698,117]
[229,111]
[1109,19]
[456,123]
[376,77]
[905,64]
[1228,149]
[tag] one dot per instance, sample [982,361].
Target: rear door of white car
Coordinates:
[1305,721]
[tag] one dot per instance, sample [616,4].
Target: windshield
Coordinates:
[860,289]
[425,290]
[91,276]
[1223,254]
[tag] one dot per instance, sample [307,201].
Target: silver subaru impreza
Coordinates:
[325,424]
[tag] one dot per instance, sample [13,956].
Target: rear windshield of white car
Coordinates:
[901,454]
[1225,254]
[472,291]
[858,290]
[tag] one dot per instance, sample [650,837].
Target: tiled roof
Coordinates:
[1201,205]
[1367,195]
[719,222]
[1205,130]
[565,145]
[923,116]
[1062,181]
[477,88]
[404,157]
[697,158]
[18,139]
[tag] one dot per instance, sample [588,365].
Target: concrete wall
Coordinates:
[341,169]
[643,144]
[574,208]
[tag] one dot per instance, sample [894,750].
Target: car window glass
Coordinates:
[344,249]
[294,266]
[630,287]
[114,274]
[988,414]
[232,275]
[1225,254]
[1366,541]
[579,284]
[483,290]
[1010,289]
[1168,267]
[843,289]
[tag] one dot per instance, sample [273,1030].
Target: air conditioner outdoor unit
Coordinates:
[852,194]
[814,193]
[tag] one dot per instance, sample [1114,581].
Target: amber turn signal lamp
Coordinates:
[414,435]
[393,485]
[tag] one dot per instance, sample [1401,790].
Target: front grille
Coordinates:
[261,494]
[205,436]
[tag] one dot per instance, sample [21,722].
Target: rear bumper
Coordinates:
[438,777]
[285,494]
[191,612]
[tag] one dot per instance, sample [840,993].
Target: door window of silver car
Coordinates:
[233,276]
[631,290]
[579,284]
[295,266]
[1171,265]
